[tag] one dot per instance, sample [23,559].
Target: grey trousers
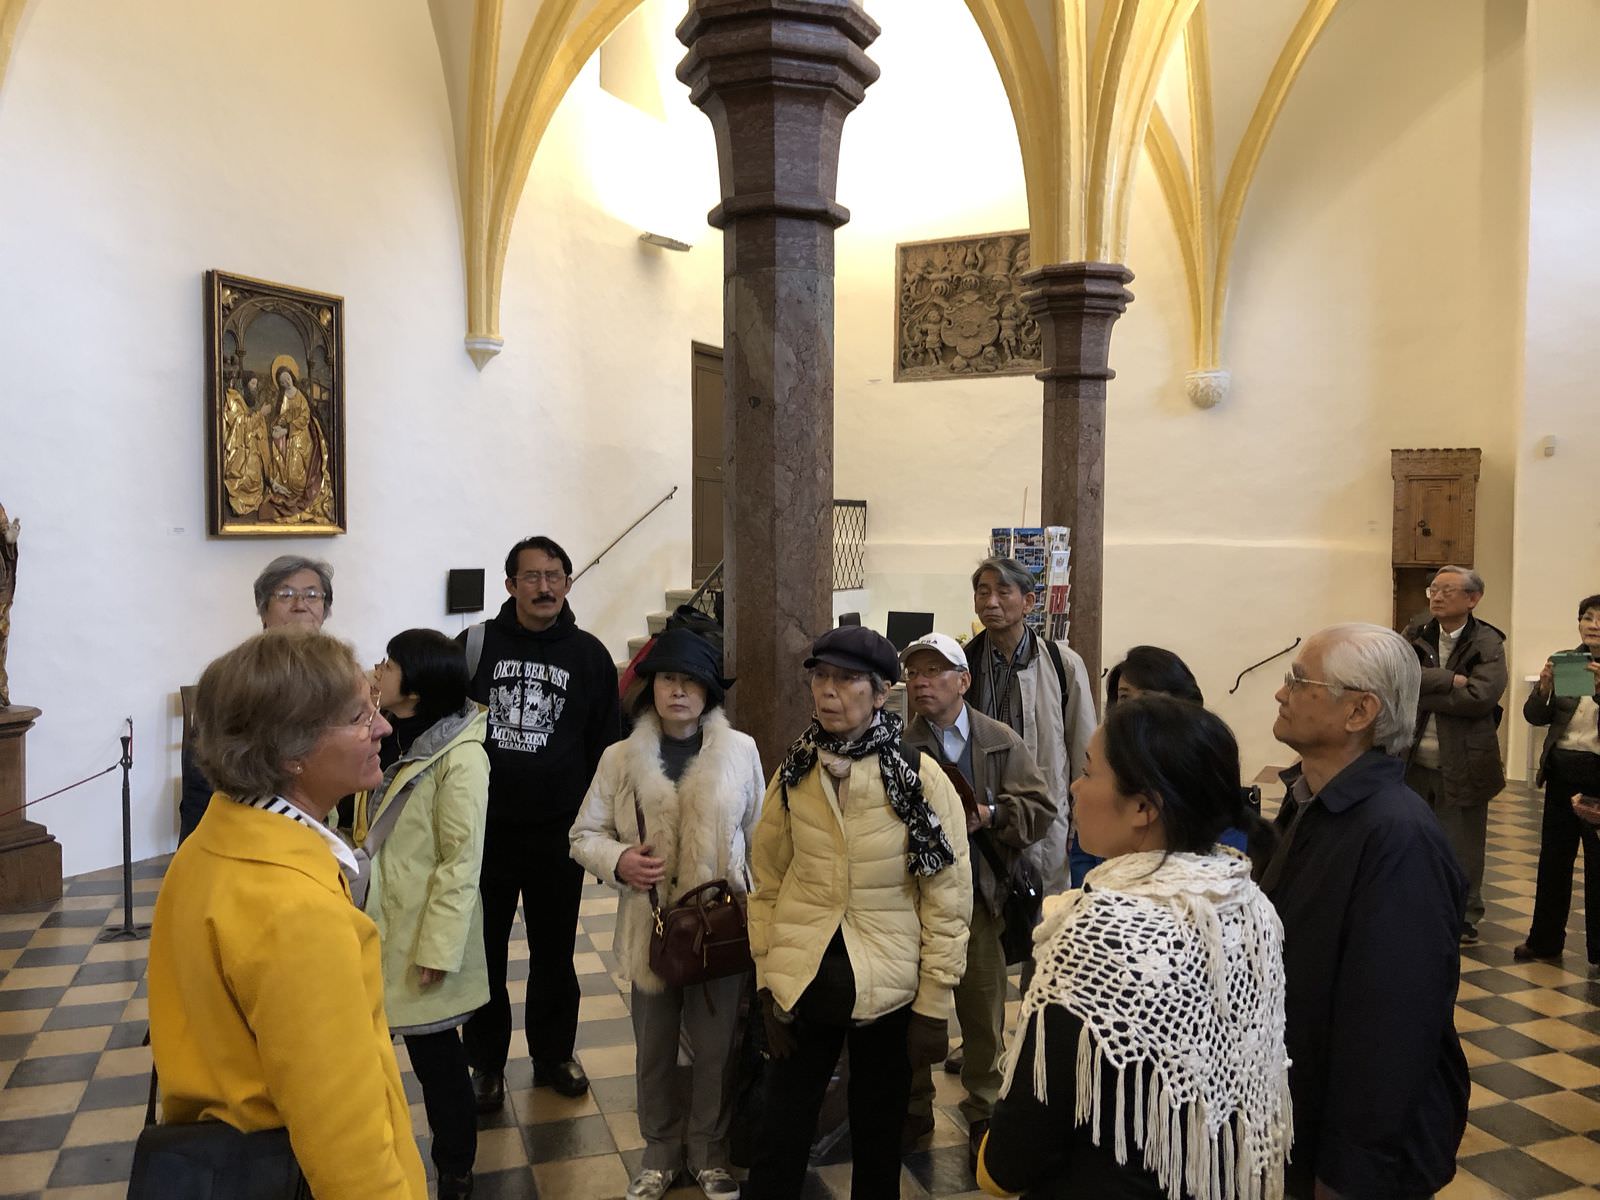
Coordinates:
[708,1014]
[1466,828]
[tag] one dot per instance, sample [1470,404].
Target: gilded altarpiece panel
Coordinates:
[274,409]
[959,310]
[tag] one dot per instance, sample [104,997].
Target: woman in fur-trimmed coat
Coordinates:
[698,784]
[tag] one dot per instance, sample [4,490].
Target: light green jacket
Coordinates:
[424,891]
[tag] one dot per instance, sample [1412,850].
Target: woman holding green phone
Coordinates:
[1568,767]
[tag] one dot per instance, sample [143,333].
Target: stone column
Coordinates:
[1076,305]
[30,859]
[777,79]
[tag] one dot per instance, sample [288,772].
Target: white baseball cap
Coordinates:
[942,644]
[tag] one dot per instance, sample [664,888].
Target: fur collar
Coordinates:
[693,824]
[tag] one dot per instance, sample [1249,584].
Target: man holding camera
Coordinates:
[1455,762]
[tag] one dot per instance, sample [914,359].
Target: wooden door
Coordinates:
[707,441]
[1433,507]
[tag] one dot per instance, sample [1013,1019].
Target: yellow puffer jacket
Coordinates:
[817,869]
[266,1004]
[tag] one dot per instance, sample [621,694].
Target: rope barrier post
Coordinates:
[128,931]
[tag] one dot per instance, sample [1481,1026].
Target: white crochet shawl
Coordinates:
[1174,964]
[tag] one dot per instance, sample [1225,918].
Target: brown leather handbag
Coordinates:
[703,936]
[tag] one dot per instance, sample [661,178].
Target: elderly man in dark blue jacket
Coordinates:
[1371,898]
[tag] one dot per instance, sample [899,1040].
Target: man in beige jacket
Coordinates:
[1007,810]
[858,919]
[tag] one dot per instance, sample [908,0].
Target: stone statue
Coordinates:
[9,530]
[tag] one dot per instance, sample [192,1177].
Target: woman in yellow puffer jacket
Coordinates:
[858,921]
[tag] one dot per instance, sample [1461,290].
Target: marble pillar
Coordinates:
[1076,304]
[30,859]
[777,78]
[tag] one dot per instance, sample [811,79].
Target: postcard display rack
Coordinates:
[1046,551]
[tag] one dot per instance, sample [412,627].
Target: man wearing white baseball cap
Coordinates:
[1008,808]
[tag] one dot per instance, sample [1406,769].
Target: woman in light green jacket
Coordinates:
[423,831]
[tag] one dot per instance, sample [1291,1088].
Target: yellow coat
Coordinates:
[266,1004]
[817,869]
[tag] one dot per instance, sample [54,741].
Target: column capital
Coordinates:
[777,79]
[1076,304]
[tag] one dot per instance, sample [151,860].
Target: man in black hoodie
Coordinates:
[551,690]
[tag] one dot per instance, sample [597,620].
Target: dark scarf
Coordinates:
[929,851]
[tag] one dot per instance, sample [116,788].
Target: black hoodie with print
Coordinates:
[553,707]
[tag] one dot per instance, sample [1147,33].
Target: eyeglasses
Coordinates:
[363,722]
[1441,593]
[929,672]
[310,595]
[1293,681]
[550,578]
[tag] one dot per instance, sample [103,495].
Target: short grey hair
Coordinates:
[1371,658]
[1009,570]
[1471,581]
[285,565]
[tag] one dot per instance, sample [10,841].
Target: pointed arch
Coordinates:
[10,23]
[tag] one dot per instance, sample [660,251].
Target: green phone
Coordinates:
[1572,675]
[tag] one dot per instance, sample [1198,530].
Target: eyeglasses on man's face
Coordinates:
[1293,682]
[311,595]
[932,672]
[1443,591]
[535,578]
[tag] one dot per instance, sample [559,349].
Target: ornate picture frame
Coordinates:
[958,309]
[275,430]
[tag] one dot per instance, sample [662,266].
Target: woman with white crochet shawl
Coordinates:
[1149,1058]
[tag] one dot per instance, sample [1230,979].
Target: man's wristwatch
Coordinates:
[991,809]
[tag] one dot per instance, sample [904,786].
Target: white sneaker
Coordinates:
[650,1184]
[717,1184]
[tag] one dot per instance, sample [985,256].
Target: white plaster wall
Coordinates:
[1374,305]
[308,143]
[1557,528]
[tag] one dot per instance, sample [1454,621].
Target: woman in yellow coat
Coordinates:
[266,990]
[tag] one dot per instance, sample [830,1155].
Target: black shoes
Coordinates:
[455,1187]
[1469,935]
[566,1078]
[489,1089]
[1526,953]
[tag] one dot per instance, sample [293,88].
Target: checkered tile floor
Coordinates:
[73,1074]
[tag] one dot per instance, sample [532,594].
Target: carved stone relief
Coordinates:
[959,309]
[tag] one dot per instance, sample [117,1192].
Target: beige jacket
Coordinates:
[818,869]
[1056,730]
[699,827]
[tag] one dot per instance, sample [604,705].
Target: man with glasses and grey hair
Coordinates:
[1037,687]
[1371,897]
[1455,765]
[291,590]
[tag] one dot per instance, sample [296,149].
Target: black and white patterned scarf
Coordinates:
[929,849]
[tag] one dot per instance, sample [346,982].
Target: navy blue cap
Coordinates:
[856,648]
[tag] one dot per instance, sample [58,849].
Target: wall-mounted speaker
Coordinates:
[463,590]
